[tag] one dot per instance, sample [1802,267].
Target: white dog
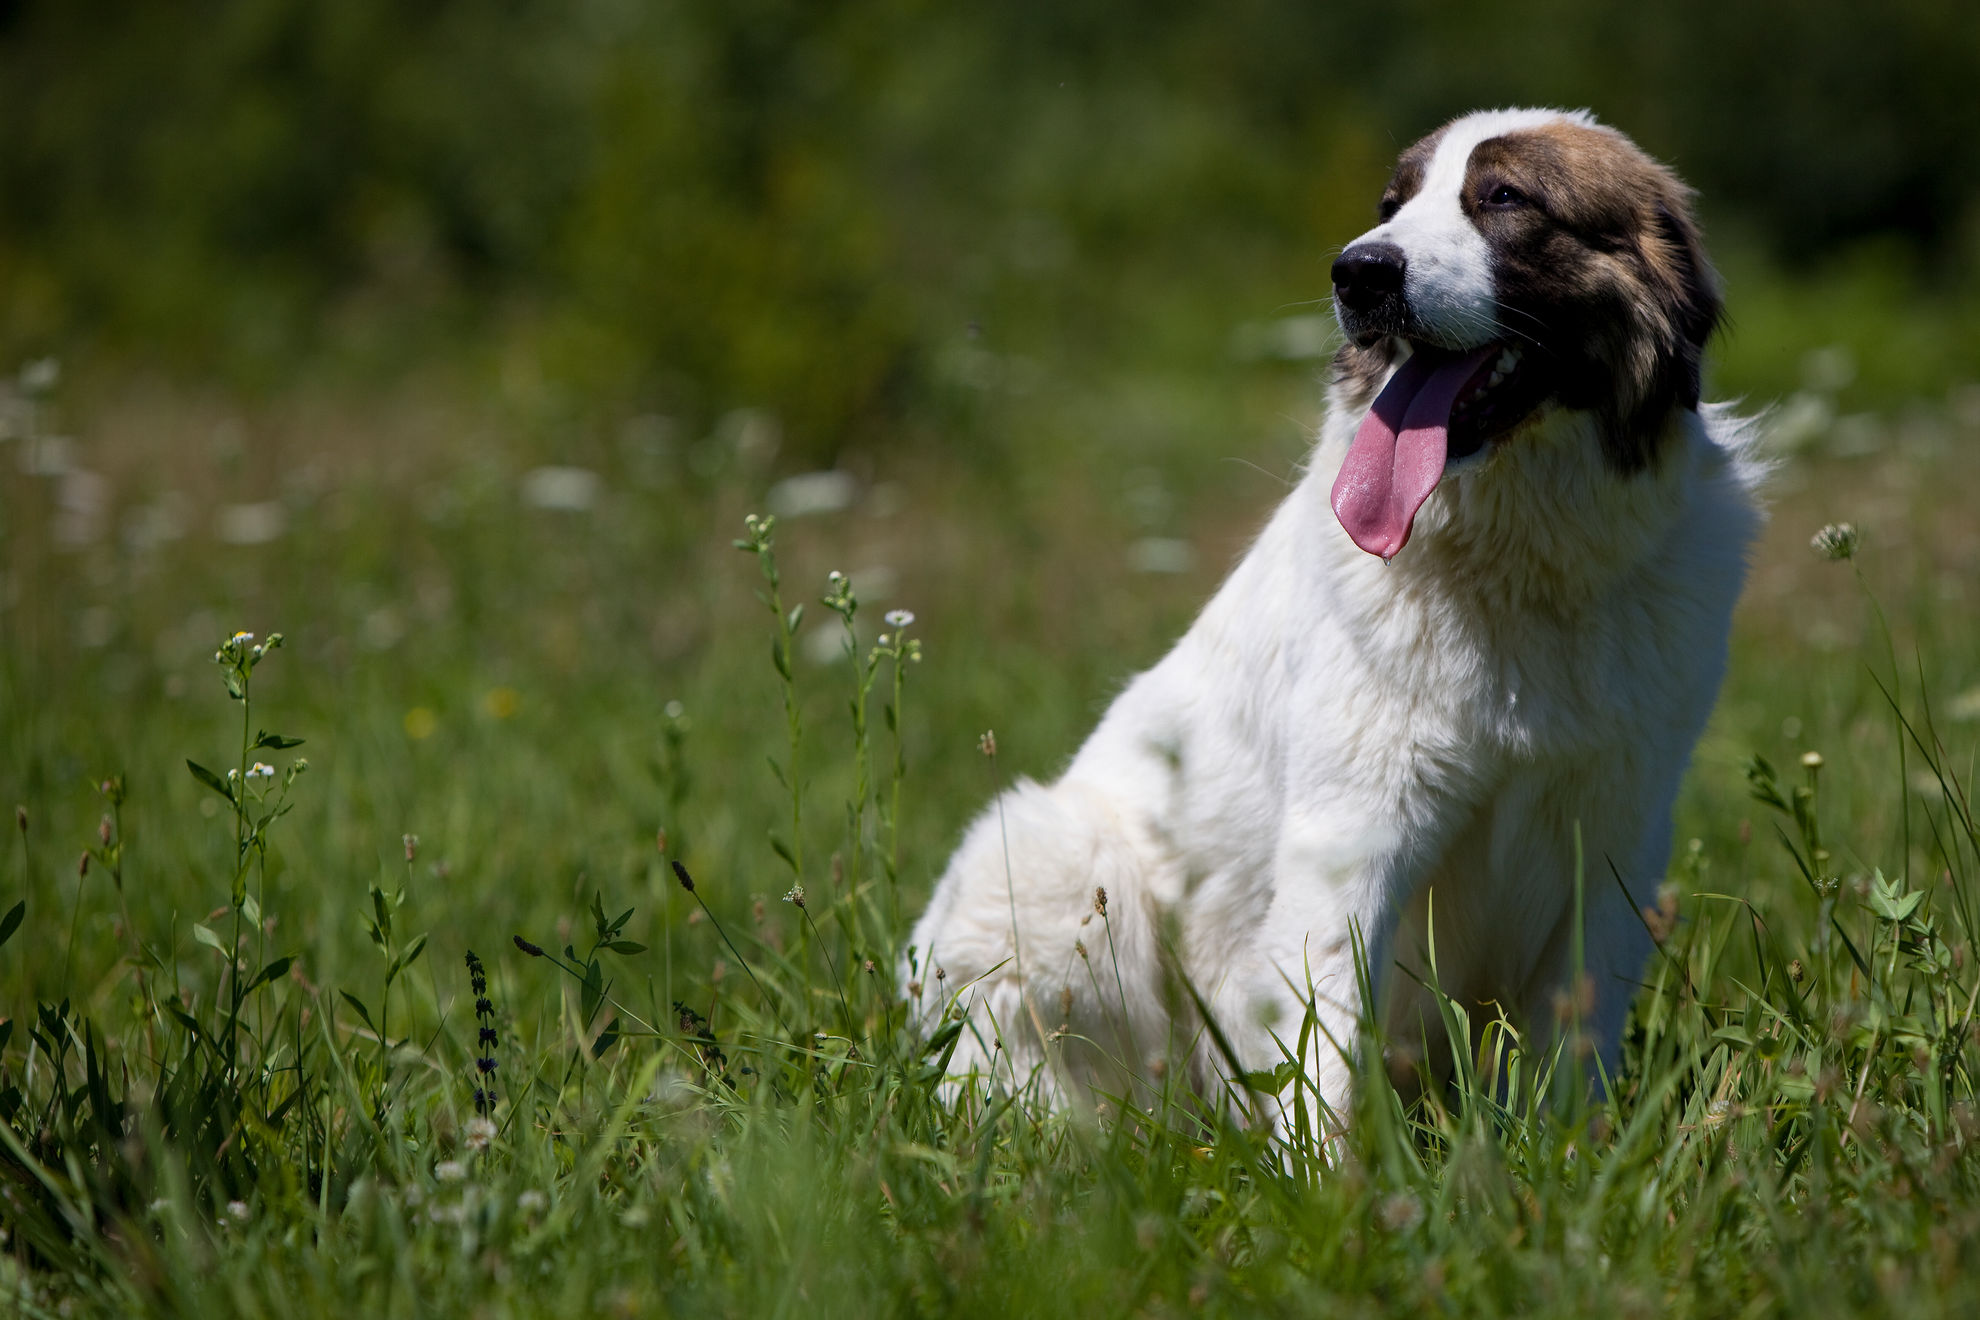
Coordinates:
[1477,642]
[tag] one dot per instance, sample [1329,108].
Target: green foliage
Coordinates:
[1793,1132]
[780,206]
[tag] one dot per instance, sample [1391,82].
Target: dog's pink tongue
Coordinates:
[1397,457]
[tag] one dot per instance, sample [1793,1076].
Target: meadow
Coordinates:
[247,1067]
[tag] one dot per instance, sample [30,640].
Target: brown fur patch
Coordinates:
[1599,265]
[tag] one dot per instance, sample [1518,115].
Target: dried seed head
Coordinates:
[869,967]
[660,840]
[1065,1003]
[82,865]
[681,874]
[796,897]
[914,989]
[1079,947]
[941,975]
[1100,900]
[533,950]
[1399,1212]
[987,744]
[1663,918]
[103,830]
[1796,972]
[412,845]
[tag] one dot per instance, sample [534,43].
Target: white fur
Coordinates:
[1336,746]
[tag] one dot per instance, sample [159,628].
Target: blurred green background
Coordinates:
[800,206]
[454,340]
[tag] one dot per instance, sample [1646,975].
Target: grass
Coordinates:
[243,1066]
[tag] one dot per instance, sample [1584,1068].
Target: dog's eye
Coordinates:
[1387,210]
[1504,195]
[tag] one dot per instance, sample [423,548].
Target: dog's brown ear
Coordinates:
[1689,291]
[1679,309]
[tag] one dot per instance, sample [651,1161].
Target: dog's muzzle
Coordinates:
[1368,288]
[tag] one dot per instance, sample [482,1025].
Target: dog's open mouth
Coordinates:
[1438,407]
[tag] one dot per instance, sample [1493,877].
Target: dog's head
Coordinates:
[1526,261]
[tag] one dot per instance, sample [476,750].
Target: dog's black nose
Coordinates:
[1367,273]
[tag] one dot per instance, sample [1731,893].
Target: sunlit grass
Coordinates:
[526,698]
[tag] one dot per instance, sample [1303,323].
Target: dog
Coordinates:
[1441,705]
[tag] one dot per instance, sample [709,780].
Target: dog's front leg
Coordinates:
[1339,886]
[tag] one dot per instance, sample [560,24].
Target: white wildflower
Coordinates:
[237,1211]
[532,1202]
[478,1133]
[809,494]
[261,770]
[41,375]
[899,618]
[562,489]
[448,1171]
[1836,541]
